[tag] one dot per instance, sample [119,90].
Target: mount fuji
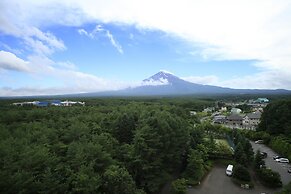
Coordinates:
[165,83]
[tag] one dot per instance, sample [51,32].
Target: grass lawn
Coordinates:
[222,141]
[223,145]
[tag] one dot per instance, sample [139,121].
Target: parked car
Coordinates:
[259,141]
[277,157]
[289,170]
[282,160]
[229,169]
[264,154]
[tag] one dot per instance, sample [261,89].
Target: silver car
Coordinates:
[282,160]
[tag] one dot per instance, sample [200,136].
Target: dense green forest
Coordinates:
[108,146]
[276,118]
[124,145]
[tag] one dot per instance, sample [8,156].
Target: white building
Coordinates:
[235,111]
[193,113]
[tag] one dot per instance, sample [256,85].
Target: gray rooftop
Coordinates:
[235,117]
[254,115]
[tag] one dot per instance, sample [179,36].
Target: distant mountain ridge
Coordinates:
[165,83]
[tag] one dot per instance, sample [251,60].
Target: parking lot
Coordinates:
[217,182]
[281,168]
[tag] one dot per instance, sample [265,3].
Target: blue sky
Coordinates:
[69,47]
[148,50]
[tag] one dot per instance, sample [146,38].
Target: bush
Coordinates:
[241,173]
[179,186]
[270,178]
[286,189]
[281,145]
[255,135]
[259,162]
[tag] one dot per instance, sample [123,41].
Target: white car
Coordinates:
[229,169]
[282,160]
[277,157]
[259,141]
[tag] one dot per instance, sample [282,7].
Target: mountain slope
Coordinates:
[165,83]
[173,85]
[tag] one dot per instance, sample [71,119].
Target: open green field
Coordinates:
[223,146]
[222,141]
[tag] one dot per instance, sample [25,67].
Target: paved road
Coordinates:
[281,168]
[217,182]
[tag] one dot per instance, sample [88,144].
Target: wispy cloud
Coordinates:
[93,33]
[13,50]
[67,65]
[83,32]
[114,42]
[206,80]
[99,29]
[39,42]
[262,80]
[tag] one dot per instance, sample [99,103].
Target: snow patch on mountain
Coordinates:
[166,72]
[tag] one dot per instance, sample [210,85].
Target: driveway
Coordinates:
[218,183]
[281,168]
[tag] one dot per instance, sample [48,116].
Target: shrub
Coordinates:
[258,162]
[281,145]
[270,178]
[286,189]
[241,173]
[179,186]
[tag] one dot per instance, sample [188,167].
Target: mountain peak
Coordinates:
[161,78]
[162,74]
[165,72]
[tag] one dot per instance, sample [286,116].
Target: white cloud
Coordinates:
[41,68]
[38,90]
[92,34]
[17,25]
[114,42]
[9,61]
[67,65]
[46,37]
[40,42]
[30,91]
[224,30]
[108,34]
[83,32]
[13,50]
[151,82]
[206,80]
[77,82]
[263,80]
